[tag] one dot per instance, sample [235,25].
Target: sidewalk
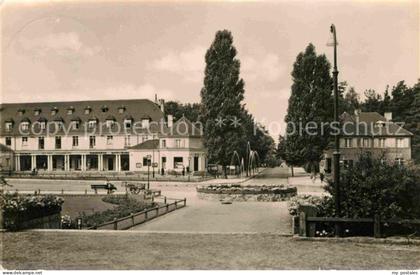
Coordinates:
[305,185]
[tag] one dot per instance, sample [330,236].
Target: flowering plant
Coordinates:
[19,208]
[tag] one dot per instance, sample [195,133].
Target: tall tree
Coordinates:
[373,102]
[310,101]
[413,123]
[221,99]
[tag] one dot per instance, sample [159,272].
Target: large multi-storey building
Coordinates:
[117,135]
[374,133]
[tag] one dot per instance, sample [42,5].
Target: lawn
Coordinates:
[136,250]
[73,205]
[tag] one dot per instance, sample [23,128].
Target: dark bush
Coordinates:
[372,187]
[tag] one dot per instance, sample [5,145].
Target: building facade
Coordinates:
[370,132]
[92,136]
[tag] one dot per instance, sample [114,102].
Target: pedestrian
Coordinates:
[321,177]
[183,171]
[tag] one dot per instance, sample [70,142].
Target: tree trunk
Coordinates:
[293,172]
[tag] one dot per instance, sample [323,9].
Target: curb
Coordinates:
[361,240]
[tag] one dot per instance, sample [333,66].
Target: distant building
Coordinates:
[89,136]
[370,132]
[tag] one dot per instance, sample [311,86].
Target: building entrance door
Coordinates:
[195,163]
[110,164]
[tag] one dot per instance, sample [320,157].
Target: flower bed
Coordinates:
[124,207]
[237,192]
[19,209]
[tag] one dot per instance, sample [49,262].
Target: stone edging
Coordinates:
[366,240]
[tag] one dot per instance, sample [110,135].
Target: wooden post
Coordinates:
[115,224]
[146,215]
[377,226]
[176,204]
[164,200]
[132,219]
[157,211]
[302,224]
[167,208]
[185,201]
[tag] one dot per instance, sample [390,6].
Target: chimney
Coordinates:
[156,99]
[388,116]
[170,121]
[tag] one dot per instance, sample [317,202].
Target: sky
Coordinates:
[70,50]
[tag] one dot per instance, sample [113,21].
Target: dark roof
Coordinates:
[183,127]
[134,108]
[4,148]
[370,124]
[147,145]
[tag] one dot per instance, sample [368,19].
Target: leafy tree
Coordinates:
[371,187]
[402,99]
[373,102]
[413,123]
[190,110]
[310,101]
[221,99]
[352,100]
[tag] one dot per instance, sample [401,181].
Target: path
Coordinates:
[212,216]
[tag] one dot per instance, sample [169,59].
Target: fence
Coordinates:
[102,175]
[308,223]
[143,216]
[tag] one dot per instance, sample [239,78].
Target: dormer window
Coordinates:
[380,123]
[59,123]
[37,112]
[88,110]
[24,125]
[128,123]
[110,121]
[54,111]
[8,125]
[75,123]
[145,122]
[70,110]
[42,123]
[104,109]
[92,123]
[21,112]
[121,109]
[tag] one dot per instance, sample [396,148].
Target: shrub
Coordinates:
[125,206]
[322,204]
[371,187]
[19,208]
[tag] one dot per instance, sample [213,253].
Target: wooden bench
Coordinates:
[107,186]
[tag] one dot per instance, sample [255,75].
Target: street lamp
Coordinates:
[336,154]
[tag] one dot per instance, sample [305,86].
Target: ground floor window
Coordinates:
[178,162]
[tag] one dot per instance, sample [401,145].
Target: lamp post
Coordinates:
[336,154]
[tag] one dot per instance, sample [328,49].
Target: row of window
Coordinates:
[178,162]
[70,110]
[178,143]
[75,124]
[369,142]
[75,141]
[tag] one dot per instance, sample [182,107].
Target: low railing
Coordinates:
[142,216]
[307,224]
